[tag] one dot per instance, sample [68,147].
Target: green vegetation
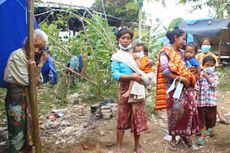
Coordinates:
[150,102]
[96,45]
[96,42]
[224,79]
[126,10]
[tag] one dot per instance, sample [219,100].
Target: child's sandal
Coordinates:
[200,142]
[208,132]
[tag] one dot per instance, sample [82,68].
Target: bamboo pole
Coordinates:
[32,80]
[139,23]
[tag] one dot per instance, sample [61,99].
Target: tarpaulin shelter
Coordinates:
[13,29]
[74,23]
[217,29]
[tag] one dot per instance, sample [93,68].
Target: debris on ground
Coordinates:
[106,109]
[66,125]
[87,129]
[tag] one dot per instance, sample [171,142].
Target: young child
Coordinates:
[140,54]
[206,98]
[190,60]
[206,46]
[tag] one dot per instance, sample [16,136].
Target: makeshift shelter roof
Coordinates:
[205,27]
[83,11]
[218,30]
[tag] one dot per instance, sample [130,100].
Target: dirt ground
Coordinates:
[99,136]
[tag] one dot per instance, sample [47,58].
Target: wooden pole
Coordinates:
[32,80]
[140,22]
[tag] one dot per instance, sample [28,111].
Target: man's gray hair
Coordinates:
[38,33]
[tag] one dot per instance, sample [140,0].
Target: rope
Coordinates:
[22,5]
[77,73]
[25,9]
[45,19]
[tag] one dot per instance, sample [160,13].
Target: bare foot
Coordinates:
[187,140]
[139,149]
[224,120]
[126,94]
[172,145]
[118,150]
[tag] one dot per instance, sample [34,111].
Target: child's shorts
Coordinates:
[207,117]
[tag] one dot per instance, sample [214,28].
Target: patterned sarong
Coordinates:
[130,115]
[182,114]
[16,108]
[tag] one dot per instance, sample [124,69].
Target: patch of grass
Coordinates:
[224,79]
[150,102]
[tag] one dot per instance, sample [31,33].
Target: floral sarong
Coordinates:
[182,114]
[130,115]
[16,109]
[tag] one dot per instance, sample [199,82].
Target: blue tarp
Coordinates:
[165,41]
[13,30]
[2,1]
[191,22]
[205,27]
[49,72]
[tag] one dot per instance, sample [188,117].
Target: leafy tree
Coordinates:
[220,6]
[126,10]
[174,22]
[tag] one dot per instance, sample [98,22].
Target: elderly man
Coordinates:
[17,79]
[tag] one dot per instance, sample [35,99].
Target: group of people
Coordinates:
[186,86]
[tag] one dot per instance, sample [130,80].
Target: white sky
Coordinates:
[155,10]
[173,10]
